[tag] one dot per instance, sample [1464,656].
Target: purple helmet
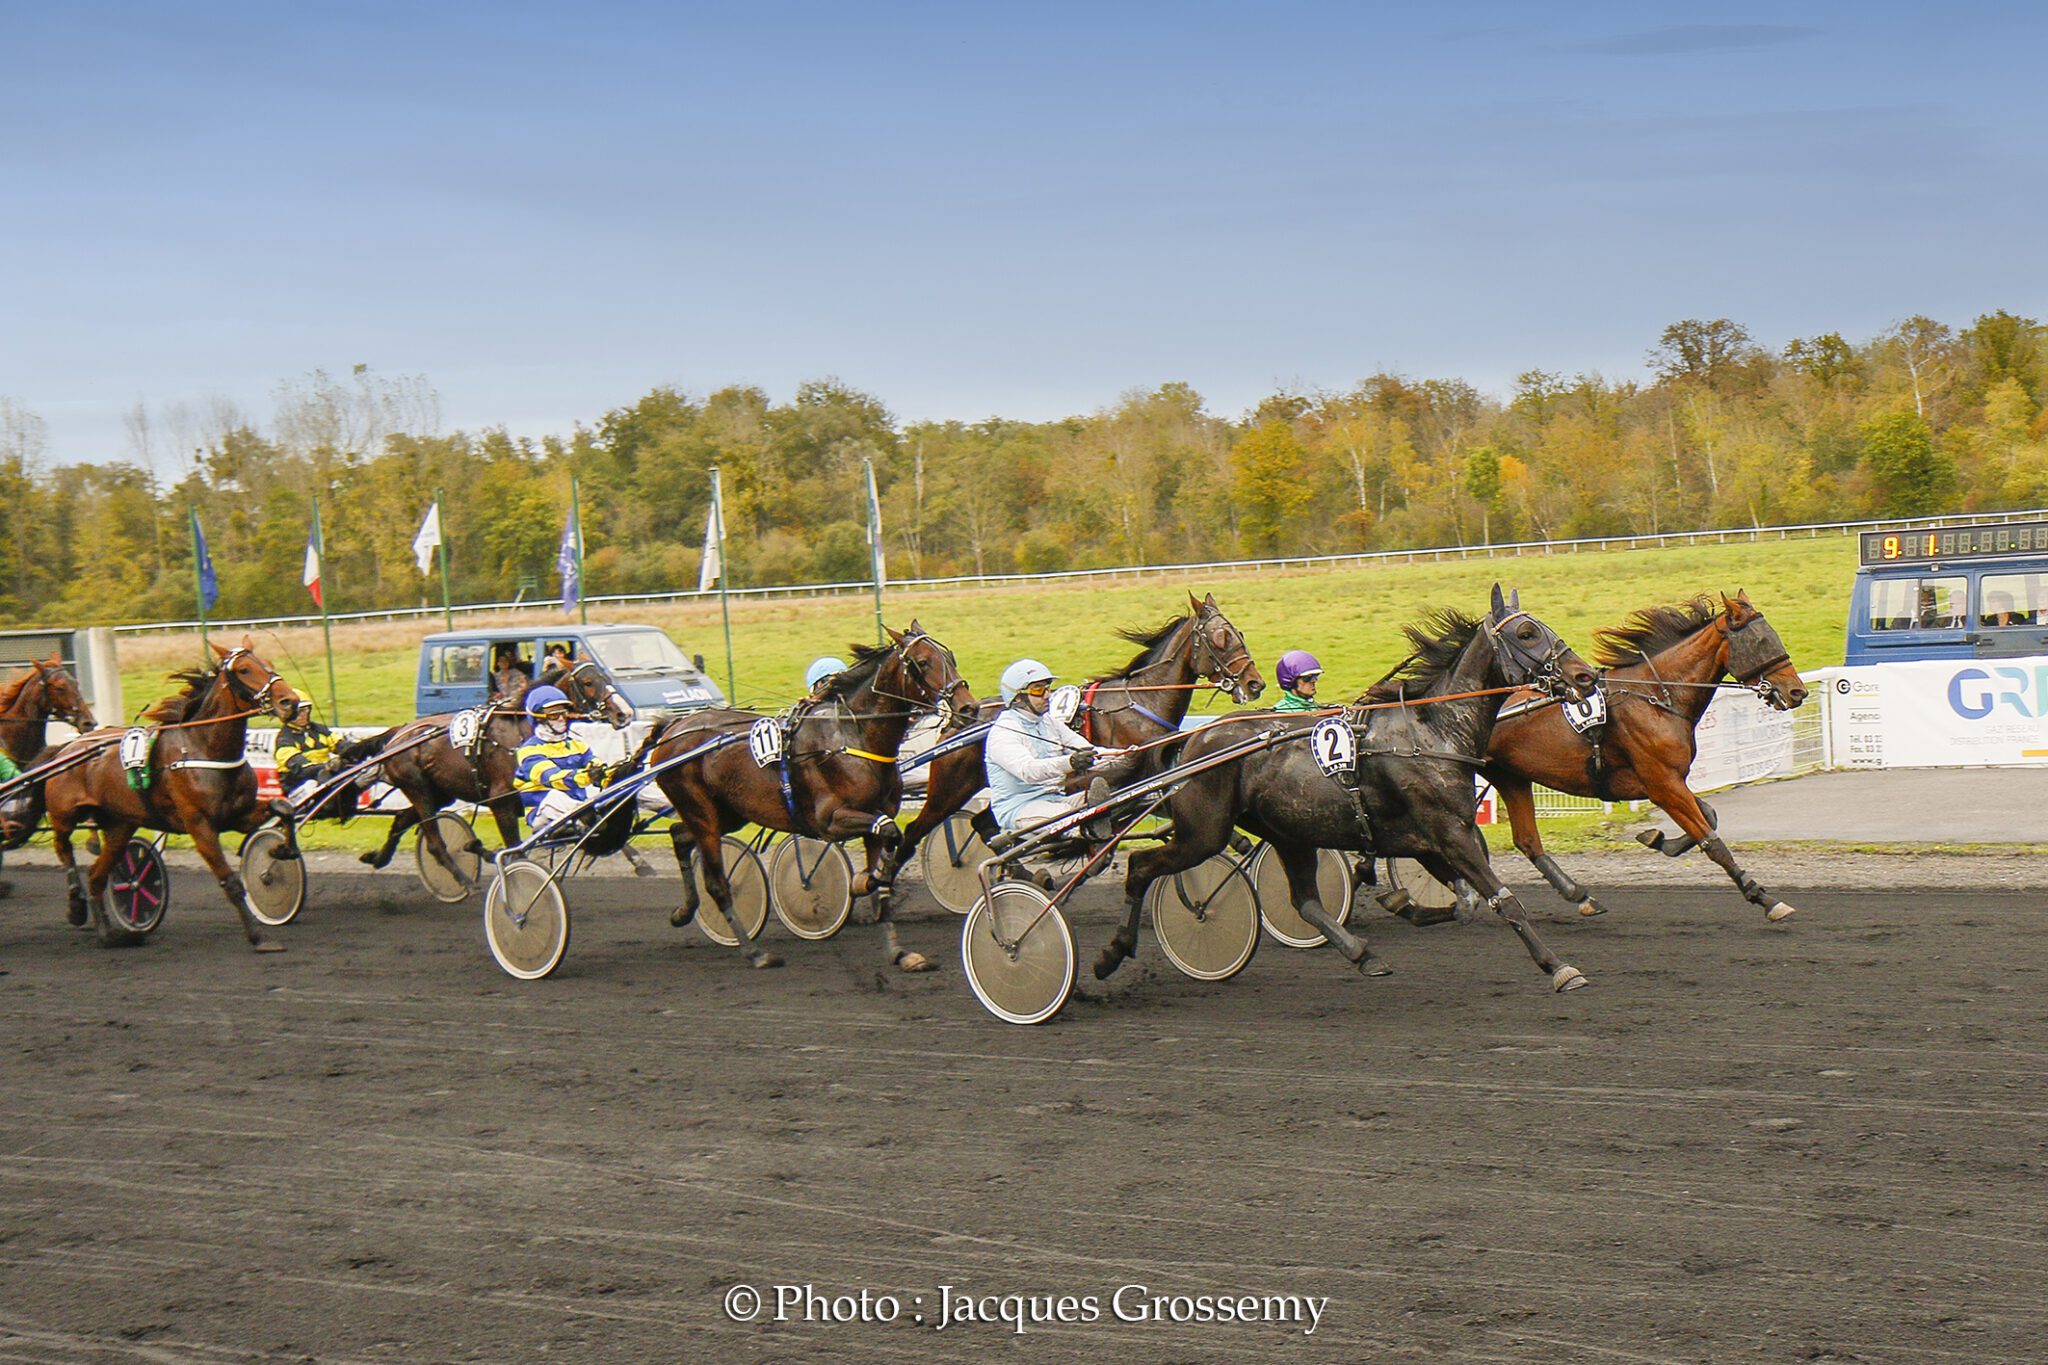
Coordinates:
[1295,665]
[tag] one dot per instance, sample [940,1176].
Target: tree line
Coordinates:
[1723,432]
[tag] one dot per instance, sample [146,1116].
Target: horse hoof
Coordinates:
[862,884]
[75,915]
[907,961]
[1590,907]
[681,916]
[1567,978]
[645,870]
[763,961]
[1652,839]
[267,945]
[1779,911]
[1374,966]
[368,859]
[1396,901]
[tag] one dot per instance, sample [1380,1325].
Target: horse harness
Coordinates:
[1224,674]
[138,742]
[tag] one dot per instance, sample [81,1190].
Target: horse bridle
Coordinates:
[1224,674]
[74,716]
[259,696]
[1540,671]
[915,667]
[610,691]
[1746,669]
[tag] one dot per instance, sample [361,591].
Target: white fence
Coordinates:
[1137,572]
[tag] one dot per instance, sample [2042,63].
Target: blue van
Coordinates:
[647,667]
[1956,592]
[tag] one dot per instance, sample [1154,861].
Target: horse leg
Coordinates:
[113,838]
[207,842]
[712,859]
[641,867]
[1676,799]
[883,839]
[682,841]
[1183,848]
[1464,856]
[76,912]
[400,823]
[1521,804]
[1655,840]
[1301,889]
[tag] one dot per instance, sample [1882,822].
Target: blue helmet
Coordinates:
[821,669]
[541,698]
[1021,675]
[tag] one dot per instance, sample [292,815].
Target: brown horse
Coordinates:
[28,703]
[199,783]
[435,775]
[839,779]
[1660,672]
[1144,700]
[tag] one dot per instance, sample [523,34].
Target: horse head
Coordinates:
[927,674]
[1220,653]
[1529,653]
[1756,657]
[592,693]
[62,699]
[251,681]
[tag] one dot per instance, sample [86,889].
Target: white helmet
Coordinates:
[821,669]
[1021,675]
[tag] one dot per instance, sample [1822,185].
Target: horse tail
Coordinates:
[654,736]
[356,750]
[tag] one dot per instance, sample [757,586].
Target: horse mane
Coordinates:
[1652,630]
[867,661]
[1435,642]
[178,705]
[1147,641]
[12,690]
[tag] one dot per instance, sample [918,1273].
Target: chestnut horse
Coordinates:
[838,779]
[199,783]
[435,775]
[28,703]
[1145,699]
[1660,671]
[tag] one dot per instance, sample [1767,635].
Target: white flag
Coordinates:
[714,562]
[429,539]
[875,526]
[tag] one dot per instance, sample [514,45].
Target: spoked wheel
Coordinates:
[1276,902]
[812,882]
[526,921]
[1018,954]
[138,889]
[749,894]
[459,837]
[276,886]
[1206,919]
[952,856]
[1424,891]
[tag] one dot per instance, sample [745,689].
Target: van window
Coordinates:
[456,664]
[639,651]
[1930,603]
[2012,599]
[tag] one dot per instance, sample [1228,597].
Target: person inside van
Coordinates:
[1998,611]
[509,673]
[560,658]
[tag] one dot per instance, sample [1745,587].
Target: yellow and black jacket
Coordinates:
[302,750]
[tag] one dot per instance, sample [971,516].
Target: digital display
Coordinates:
[1922,546]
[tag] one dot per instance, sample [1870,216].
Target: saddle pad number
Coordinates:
[135,746]
[764,741]
[1334,746]
[1589,714]
[464,729]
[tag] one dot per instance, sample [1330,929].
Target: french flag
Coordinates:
[311,577]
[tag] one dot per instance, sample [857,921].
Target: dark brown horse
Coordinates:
[838,780]
[199,783]
[1145,699]
[1660,672]
[28,703]
[435,774]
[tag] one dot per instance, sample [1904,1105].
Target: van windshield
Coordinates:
[639,651]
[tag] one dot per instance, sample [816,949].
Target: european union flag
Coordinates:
[209,586]
[566,559]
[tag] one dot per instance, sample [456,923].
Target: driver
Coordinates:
[821,672]
[305,749]
[554,773]
[1030,754]
[1296,673]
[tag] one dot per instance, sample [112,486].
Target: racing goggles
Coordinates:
[1037,689]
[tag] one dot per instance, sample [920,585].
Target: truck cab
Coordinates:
[650,671]
[1959,592]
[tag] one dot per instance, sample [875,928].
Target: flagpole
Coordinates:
[326,633]
[724,607]
[576,514]
[441,553]
[198,578]
[874,544]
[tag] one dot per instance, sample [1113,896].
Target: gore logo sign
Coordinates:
[1974,693]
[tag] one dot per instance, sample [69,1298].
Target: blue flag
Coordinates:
[565,560]
[209,586]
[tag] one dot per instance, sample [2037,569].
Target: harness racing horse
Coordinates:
[1116,711]
[1419,736]
[436,774]
[195,780]
[837,778]
[28,703]
[1659,672]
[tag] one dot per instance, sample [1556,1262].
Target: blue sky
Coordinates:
[973,210]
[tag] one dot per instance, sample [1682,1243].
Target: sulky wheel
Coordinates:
[952,856]
[1424,891]
[1018,954]
[811,883]
[1206,919]
[1276,903]
[526,921]
[276,886]
[458,836]
[749,894]
[138,889]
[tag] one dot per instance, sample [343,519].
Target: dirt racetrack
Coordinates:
[1820,1141]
